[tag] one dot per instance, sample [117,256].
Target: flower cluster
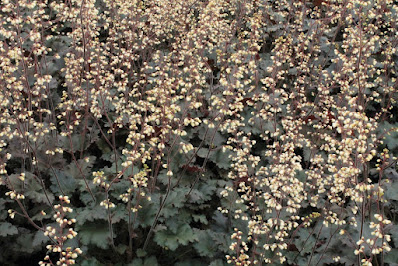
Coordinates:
[59,234]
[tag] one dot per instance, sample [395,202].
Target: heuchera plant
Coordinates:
[198,132]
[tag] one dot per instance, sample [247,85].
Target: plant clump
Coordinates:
[191,132]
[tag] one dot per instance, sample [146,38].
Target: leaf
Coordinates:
[200,218]
[391,138]
[213,137]
[307,153]
[24,242]
[104,146]
[40,196]
[190,262]
[119,213]
[90,214]
[84,195]
[39,239]
[168,239]
[218,263]
[392,191]
[7,229]
[67,182]
[183,217]
[391,257]
[204,191]
[91,262]
[305,241]
[72,170]
[148,212]
[205,244]
[391,174]
[394,233]
[94,234]
[141,253]
[3,212]
[174,202]
[221,240]
[207,188]
[186,235]
[301,175]
[196,196]
[219,157]
[73,243]
[220,222]
[15,181]
[121,249]
[151,261]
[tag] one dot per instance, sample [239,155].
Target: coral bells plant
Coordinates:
[192,132]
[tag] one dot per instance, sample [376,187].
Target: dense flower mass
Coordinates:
[228,131]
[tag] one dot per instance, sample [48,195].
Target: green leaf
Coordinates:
[84,195]
[148,212]
[394,233]
[391,138]
[391,257]
[186,235]
[24,242]
[17,184]
[40,196]
[151,261]
[141,253]
[40,238]
[3,210]
[305,241]
[190,262]
[72,170]
[91,262]
[174,202]
[208,189]
[119,213]
[196,196]
[301,175]
[67,182]
[205,244]
[213,137]
[183,217]
[200,218]
[168,239]
[392,191]
[7,229]
[218,263]
[121,249]
[219,157]
[90,214]
[94,234]
[104,146]
[220,222]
